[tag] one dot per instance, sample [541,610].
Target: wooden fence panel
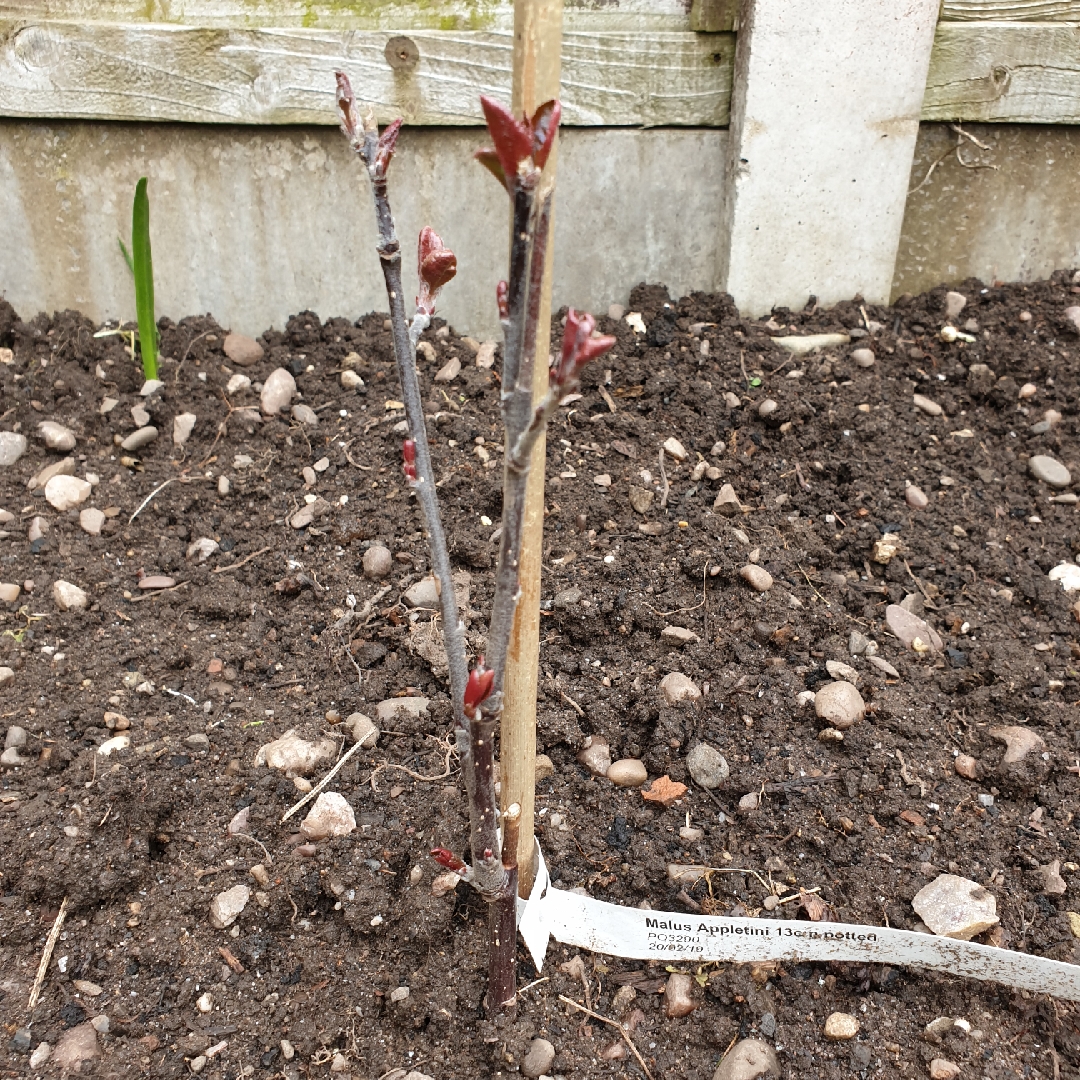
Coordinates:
[278,76]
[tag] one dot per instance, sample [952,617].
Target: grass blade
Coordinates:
[143,269]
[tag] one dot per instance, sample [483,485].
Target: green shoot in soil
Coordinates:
[142,268]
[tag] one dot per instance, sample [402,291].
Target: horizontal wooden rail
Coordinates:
[1017,72]
[1010,11]
[105,71]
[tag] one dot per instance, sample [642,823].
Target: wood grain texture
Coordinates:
[395,15]
[1010,11]
[274,76]
[1004,72]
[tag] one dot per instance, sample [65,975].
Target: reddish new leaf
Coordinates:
[545,123]
[447,858]
[490,160]
[512,138]
[408,456]
[346,103]
[578,348]
[436,265]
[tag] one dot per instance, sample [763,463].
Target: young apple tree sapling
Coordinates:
[520,150]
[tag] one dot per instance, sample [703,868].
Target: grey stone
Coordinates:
[627,772]
[56,436]
[863,357]
[362,728]
[277,392]
[567,598]
[378,562]
[91,521]
[202,548]
[68,597]
[226,907]
[727,502]
[839,704]
[679,635]
[911,630]
[12,447]
[748,1059]
[595,755]
[7,675]
[296,756]
[388,710]
[857,643]
[1019,742]
[305,414]
[16,737]
[954,304]
[915,497]
[931,408]
[677,687]
[981,379]
[1049,471]
[538,1058]
[423,594]
[955,907]
[64,492]
[708,767]
[757,577]
[330,816]
[76,1045]
[182,427]
[64,467]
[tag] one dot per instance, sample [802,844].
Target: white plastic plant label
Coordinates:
[639,934]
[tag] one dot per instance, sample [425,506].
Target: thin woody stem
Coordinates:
[502,920]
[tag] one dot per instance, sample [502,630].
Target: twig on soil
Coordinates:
[246,559]
[46,956]
[913,781]
[667,486]
[248,836]
[415,775]
[176,693]
[187,350]
[160,487]
[535,982]
[573,704]
[742,365]
[321,784]
[618,1027]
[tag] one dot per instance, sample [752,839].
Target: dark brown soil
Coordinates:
[251,652]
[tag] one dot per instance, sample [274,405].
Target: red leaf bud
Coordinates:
[436,265]
[408,455]
[447,858]
[385,148]
[578,348]
[346,104]
[478,686]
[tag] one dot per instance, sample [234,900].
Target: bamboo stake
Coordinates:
[537,56]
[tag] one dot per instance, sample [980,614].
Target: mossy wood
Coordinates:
[105,71]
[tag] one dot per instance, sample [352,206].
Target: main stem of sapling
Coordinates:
[521,148]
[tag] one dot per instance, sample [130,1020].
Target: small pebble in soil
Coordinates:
[943,1069]
[9,592]
[242,350]
[362,729]
[183,426]
[140,438]
[883,665]
[863,357]
[295,755]
[12,447]
[1019,742]
[749,802]
[1053,884]
[156,581]
[226,907]
[91,520]
[679,996]
[202,548]
[911,630]
[676,687]
[915,498]
[965,765]
[981,379]
[840,1027]
[757,577]
[931,408]
[1050,471]
[223,486]
[595,755]
[40,1055]
[675,448]
[627,772]
[839,704]
[76,1045]
[330,816]
[64,492]
[707,766]
[277,392]
[116,743]
[68,597]
[449,371]
[727,502]
[56,436]
[840,670]
[749,1059]
[767,408]
[378,562]
[236,383]
[538,1058]
[678,635]
[955,907]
